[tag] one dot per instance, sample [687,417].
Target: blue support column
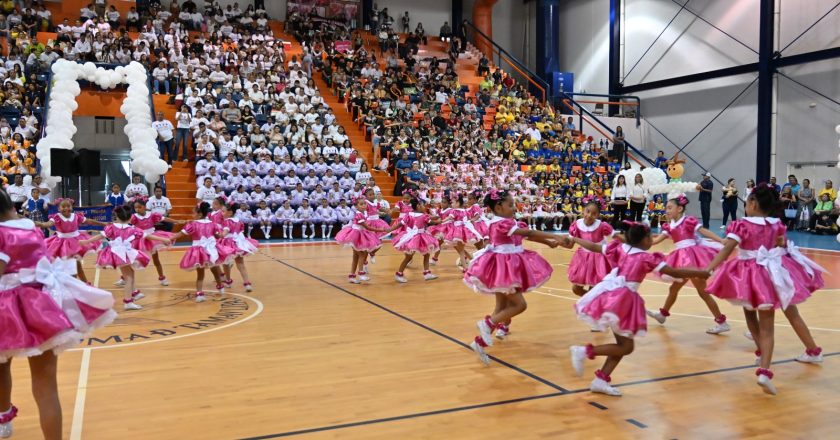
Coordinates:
[614,84]
[764,128]
[548,40]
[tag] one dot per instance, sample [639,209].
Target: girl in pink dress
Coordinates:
[768,274]
[689,251]
[43,311]
[505,269]
[217,213]
[65,244]
[121,253]
[475,213]
[439,230]
[361,238]
[146,221]
[206,251]
[402,208]
[235,239]
[459,234]
[415,239]
[615,302]
[589,268]
[374,221]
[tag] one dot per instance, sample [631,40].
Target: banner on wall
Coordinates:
[100,213]
[343,46]
[344,11]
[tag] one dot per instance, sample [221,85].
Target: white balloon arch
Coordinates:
[60,129]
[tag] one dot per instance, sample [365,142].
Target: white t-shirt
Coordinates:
[136,189]
[160,206]
[164,129]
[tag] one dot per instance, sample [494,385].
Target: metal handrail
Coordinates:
[512,60]
[569,102]
[601,95]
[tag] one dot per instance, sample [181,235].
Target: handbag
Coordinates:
[790,212]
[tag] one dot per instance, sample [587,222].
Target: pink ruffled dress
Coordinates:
[236,239]
[462,230]
[764,276]
[415,238]
[205,251]
[504,266]
[121,250]
[588,268]
[42,307]
[690,251]
[147,224]
[614,302]
[65,243]
[217,217]
[439,230]
[373,219]
[405,209]
[480,226]
[355,236]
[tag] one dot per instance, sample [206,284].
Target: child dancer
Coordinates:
[505,269]
[217,213]
[589,268]
[264,218]
[439,230]
[688,252]
[373,219]
[458,235]
[615,303]
[146,221]
[361,238]
[205,252]
[780,280]
[415,239]
[66,243]
[235,239]
[122,254]
[285,216]
[41,313]
[478,225]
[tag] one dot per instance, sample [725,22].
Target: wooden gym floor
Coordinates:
[309,355]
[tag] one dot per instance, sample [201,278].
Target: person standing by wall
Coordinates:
[638,198]
[730,202]
[706,186]
[806,202]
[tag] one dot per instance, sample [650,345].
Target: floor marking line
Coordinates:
[96,277]
[81,396]
[403,417]
[421,325]
[636,423]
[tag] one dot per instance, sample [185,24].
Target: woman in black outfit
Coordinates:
[730,201]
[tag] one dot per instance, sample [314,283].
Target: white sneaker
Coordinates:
[200,298]
[578,354]
[766,384]
[400,279]
[372,259]
[353,280]
[748,335]
[657,315]
[5,430]
[164,282]
[120,282]
[806,358]
[363,277]
[595,328]
[485,331]
[722,226]
[601,386]
[479,350]
[458,262]
[132,306]
[138,295]
[501,334]
[249,287]
[719,328]
[433,262]
[430,276]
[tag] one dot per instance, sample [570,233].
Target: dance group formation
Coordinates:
[769,272]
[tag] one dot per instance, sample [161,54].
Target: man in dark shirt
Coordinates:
[706,198]
[661,161]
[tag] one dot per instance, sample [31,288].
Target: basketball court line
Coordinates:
[517,400]
[421,325]
[81,395]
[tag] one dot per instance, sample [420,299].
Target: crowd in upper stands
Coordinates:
[256,124]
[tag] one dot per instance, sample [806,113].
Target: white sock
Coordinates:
[329,232]
[323,231]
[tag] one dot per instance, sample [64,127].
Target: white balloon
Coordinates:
[837,129]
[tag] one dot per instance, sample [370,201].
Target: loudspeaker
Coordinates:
[88,163]
[63,162]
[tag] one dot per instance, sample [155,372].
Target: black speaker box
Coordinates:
[63,162]
[87,163]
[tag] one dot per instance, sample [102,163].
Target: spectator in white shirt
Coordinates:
[136,189]
[165,137]
[27,131]
[161,76]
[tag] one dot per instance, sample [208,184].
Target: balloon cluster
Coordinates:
[60,127]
